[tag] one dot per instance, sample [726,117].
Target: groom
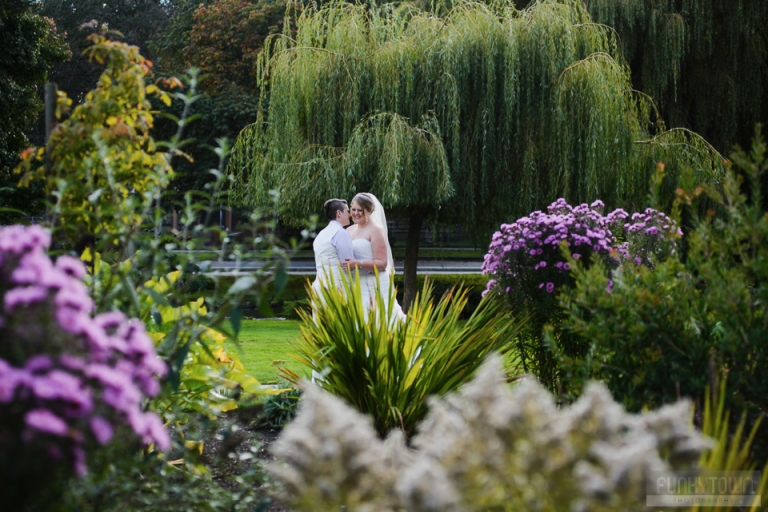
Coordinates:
[333,244]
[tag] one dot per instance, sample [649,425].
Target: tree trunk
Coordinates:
[411,259]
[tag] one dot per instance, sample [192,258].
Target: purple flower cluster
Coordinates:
[649,236]
[71,378]
[524,260]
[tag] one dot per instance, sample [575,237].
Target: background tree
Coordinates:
[31,45]
[137,20]
[222,39]
[227,38]
[475,116]
[705,63]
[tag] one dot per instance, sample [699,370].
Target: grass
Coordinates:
[263,341]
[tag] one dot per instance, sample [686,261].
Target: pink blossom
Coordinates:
[24,296]
[71,266]
[46,422]
[101,429]
[38,363]
[156,432]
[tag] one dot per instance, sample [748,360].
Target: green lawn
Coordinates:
[264,341]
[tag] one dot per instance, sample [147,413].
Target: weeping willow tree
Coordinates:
[705,62]
[476,116]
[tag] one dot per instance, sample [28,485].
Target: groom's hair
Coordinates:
[332,206]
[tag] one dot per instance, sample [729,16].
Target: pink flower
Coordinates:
[156,432]
[38,363]
[10,379]
[71,266]
[81,469]
[24,296]
[550,287]
[46,422]
[101,429]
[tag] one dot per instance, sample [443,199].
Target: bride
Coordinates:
[371,251]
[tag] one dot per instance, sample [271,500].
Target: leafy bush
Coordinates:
[105,167]
[674,329]
[108,179]
[526,265]
[280,409]
[68,380]
[485,448]
[387,368]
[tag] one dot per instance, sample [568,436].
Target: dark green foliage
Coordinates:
[291,308]
[223,114]
[170,45]
[137,20]
[704,62]
[675,329]
[441,283]
[280,409]
[223,40]
[30,46]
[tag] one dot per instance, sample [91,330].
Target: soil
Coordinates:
[224,442]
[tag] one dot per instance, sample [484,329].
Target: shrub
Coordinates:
[280,409]
[486,448]
[526,264]
[388,368]
[679,327]
[68,380]
[108,177]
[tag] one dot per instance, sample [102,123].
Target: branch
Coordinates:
[688,132]
[584,60]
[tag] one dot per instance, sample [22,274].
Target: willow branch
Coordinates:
[688,132]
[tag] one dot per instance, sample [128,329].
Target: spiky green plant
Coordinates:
[732,451]
[387,368]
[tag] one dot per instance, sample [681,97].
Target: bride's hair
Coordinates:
[365,201]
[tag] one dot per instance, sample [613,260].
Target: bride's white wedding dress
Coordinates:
[363,250]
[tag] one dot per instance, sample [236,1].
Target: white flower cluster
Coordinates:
[490,447]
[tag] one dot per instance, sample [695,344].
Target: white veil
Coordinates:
[380,219]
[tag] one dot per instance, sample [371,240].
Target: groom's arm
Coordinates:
[343,244]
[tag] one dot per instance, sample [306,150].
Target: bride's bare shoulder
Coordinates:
[376,232]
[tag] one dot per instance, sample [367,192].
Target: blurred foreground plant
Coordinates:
[485,448]
[69,381]
[733,449]
[108,177]
[388,368]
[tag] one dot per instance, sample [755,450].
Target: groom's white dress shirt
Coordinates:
[332,246]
